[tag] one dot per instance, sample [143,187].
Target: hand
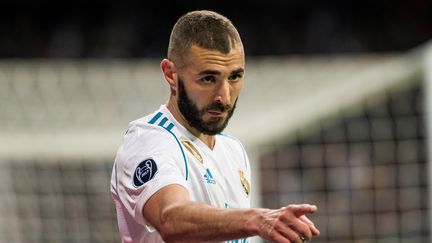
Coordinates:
[288,224]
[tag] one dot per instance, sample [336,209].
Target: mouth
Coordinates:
[217,113]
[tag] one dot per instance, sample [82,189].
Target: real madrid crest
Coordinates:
[244,182]
[191,148]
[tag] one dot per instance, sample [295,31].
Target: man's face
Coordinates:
[208,88]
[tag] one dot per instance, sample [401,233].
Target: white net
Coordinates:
[61,123]
[367,173]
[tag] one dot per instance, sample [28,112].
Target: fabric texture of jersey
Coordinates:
[157,151]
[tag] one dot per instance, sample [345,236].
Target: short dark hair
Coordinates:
[206,29]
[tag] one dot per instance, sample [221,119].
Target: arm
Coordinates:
[178,219]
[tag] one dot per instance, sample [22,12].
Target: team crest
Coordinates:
[191,148]
[244,182]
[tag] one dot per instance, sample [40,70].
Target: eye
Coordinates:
[208,79]
[235,77]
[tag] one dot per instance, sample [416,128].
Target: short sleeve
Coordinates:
[148,160]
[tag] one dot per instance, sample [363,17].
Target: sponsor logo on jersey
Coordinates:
[209,177]
[191,148]
[244,182]
[144,172]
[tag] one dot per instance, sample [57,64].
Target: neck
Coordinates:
[172,106]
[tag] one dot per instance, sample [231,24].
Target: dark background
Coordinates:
[103,29]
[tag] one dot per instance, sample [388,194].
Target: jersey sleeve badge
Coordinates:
[144,172]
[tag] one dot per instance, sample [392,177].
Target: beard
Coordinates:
[194,116]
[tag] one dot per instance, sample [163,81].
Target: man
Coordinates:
[176,178]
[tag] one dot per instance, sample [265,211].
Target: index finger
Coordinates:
[302,209]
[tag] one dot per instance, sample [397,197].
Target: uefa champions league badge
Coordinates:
[144,172]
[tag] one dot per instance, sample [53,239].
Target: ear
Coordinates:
[170,73]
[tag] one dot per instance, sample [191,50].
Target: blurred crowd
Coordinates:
[78,29]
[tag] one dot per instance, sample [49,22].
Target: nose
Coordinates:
[223,93]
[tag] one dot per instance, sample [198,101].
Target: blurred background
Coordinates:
[104,29]
[335,110]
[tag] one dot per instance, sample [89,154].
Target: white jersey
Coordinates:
[157,151]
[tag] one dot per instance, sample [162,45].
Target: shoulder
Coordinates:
[144,139]
[236,149]
[154,127]
[145,133]
[231,140]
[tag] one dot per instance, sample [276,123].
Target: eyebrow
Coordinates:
[238,70]
[214,72]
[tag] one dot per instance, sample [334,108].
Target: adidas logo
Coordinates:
[209,177]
